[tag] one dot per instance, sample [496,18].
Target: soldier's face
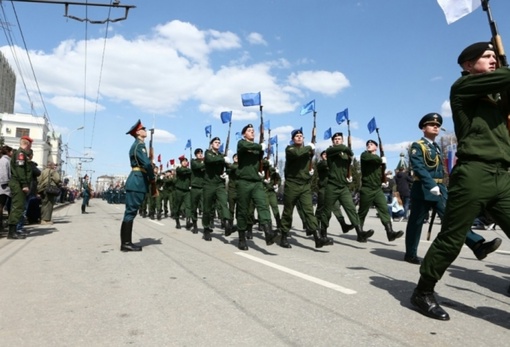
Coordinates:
[486,63]
[249,134]
[431,130]
[371,147]
[200,155]
[298,139]
[216,145]
[338,140]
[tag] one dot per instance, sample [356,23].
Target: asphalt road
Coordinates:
[69,285]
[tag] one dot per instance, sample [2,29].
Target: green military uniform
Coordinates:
[250,189]
[371,193]
[182,193]
[231,187]
[271,185]
[215,193]
[160,182]
[21,177]
[323,172]
[197,186]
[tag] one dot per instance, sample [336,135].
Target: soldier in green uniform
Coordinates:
[151,200]
[21,176]
[182,191]
[215,194]
[371,193]
[85,193]
[232,192]
[339,158]
[249,187]
[429,192]
[166,193]
[271,185]
[322,172]
[160,182]
[197,186]
[297,187]
[137,185]
[170,187]
[480,180]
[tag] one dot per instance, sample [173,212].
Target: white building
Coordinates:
[46,145]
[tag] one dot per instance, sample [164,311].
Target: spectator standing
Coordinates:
[5,176]
[403,183]
[49,176]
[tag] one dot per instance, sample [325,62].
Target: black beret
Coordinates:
[322,153]
[430,118]
[337,134]
[295,132]
[246,128]
[198,150]
[474,51]
[372,141]
[216,138]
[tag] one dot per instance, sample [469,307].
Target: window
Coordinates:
[22,132]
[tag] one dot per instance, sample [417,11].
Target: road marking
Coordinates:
[158,223]
[299,274]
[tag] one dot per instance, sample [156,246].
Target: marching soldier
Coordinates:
[215,194]
[232,193]
[249,187]
[21,177]
[271,186]
[371,192]
[137,185]
[197,187]
[182,191]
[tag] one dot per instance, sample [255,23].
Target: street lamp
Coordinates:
[67,145]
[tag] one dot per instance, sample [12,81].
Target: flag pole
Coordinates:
[314,137]
[381,151]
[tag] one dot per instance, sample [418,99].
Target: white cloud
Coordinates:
[446,110]
[256,39]
[75,104]
[325,82]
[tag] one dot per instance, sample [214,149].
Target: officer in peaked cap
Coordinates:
[137,185]
[431,118]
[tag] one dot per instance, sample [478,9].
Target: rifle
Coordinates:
[314,139]
[500,51]
[228,139]
[261,139]
[153,187]
[349,144]
[381,153]
[268,151]
[431,223]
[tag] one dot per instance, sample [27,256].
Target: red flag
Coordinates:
[159,158]
[161,167]
[172,162]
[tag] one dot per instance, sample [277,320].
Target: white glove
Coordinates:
[385,185]
[275,187]
[312,145]
[383,160]
[349,179]
[435,191]
[261,174]
[227,160]
[266,181]
[276,170]
[270,163]
[224,176]
[264,146]
[311,172]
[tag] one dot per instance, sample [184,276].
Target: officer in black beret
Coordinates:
[474,51]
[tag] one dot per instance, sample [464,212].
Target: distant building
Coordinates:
[7,86]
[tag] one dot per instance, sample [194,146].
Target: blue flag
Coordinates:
[251,99]
[226,116]
[267,124]
[371,125]
[308,107]
[239,136]
[273,140]
[269,151]
[342,116]
[208,130]
[221,149]
[188,144]
[327,134]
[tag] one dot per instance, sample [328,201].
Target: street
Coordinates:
[68,284]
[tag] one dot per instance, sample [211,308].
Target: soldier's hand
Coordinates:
[224,175]
[385,184]
[25,190]
[383,160]
[263,145]
[312,145]
[227,160]
[261,174]
[267,180]
[435,191]
[311,172]
[275,187]
[349,179]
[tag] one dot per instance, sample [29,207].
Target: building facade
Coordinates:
[7,86]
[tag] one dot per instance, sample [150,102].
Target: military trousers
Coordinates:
[343,195]
[181,201]
[18,198]
[474,187]
[232,202]
[248,192]
[298,193]
[196,197]
[133,202]
[215,197]
[369,197]
[321,196]
[414,227]
[272,201]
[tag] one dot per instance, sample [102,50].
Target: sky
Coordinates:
[176,65]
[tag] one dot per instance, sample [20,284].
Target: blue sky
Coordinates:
[179,64]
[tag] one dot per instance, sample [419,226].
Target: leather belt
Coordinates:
[137,168]
[437,180]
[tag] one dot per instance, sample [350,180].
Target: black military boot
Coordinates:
[83,209]
[144,214]
[269,234]
[345,227]
[318,241]
[363,236]
[158,215]
[324,237]
[188,224]
[230,228]
[14,234]
[195,228]
[242,241]
[424,301]
[126,245]
[278,222]
[284,242]
[177,223]
[223,224]
[249,232]
[207,234]
[392,235]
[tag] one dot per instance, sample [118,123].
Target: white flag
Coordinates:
[456,9]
